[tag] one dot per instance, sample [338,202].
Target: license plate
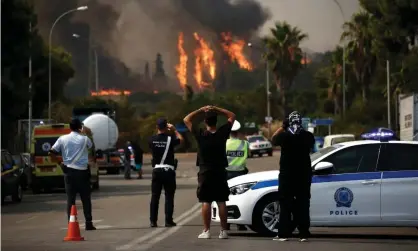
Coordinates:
[47,169]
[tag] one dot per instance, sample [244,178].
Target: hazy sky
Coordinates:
[321,19]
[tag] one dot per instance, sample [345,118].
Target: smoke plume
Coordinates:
[129,33]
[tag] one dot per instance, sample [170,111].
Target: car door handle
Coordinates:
[369,182]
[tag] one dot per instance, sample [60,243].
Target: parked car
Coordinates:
[259,145]
[11,175]
[355,184]
[23,163]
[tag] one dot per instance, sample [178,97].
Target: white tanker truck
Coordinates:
[105,135]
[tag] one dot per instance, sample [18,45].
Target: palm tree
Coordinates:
[360,49]
[284,56]
[334,79]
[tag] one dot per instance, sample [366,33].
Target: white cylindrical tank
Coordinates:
[104,129]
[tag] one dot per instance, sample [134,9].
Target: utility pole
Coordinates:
[268,98]
[388,92]
[30,89]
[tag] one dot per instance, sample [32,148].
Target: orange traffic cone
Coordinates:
[73,233]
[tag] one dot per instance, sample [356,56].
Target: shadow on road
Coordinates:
[346,238]
[56,201]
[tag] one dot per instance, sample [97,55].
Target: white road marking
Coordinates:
[27,219]
[83,224]
[186,215]
[168,233]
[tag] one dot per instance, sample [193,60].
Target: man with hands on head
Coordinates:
[212,176]
[295,176]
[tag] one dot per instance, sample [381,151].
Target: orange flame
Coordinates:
[235,51]
[181,68]
[204,58]
[111,92]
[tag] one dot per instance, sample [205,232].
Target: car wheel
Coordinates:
[271,153]
[17,193]
[266,216]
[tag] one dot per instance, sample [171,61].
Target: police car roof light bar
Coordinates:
[381,134]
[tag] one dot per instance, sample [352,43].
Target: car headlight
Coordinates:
[242,188]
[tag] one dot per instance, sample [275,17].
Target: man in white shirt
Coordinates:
[74,150]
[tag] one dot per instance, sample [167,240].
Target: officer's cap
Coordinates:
[162,123]
[236,126]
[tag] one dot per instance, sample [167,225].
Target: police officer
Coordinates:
[74,149]
[163,174]
[138,155]
[237,153]
[127,163]
[295,176]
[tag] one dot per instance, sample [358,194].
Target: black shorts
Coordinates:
[212,186]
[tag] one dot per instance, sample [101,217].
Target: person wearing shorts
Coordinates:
[212,176]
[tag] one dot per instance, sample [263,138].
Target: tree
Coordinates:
[147,75]
[335,75]
[159,66]
[284,56]
[360,49]
[20,41]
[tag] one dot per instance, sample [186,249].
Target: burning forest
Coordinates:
[206,64]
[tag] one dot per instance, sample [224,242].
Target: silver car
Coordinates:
[259,145]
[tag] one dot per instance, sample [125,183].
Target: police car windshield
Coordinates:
[256,138]
[323,151]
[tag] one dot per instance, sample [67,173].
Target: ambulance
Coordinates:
[47,174]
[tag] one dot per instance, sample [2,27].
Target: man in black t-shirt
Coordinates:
[163,174]
[212,161]
[295,176]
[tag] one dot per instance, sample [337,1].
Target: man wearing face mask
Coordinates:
[295,176]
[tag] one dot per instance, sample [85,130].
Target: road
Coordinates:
[121,211]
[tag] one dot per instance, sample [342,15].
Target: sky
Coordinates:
[320,19]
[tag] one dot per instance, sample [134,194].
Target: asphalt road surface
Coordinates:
[121,214]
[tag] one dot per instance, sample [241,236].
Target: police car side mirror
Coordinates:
[323,166]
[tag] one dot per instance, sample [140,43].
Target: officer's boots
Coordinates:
[89,226]
[170,224]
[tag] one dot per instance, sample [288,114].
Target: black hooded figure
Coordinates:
[295,176]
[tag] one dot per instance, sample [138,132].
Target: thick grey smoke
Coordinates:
[133,31]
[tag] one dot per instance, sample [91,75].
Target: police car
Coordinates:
[259,145]
[357,183]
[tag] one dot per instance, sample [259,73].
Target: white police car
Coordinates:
[358,183]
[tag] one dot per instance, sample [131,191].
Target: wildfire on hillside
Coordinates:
[181,68]
[205,67]
[111,92]
[235,51]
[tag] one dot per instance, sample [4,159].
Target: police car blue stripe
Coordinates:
[400,174]
[346,177]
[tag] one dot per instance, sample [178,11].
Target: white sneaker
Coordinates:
[303,240]
[204,235]
[277,238]
[223,234]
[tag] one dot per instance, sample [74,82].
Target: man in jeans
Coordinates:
[74,149]
[212,176]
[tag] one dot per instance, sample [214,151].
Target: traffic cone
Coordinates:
[73,233]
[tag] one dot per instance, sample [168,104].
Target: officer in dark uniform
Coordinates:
[295,176]
[127,151]
[163,174]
